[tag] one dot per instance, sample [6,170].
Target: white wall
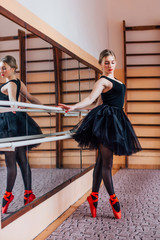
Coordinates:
[95,24]
[82,21]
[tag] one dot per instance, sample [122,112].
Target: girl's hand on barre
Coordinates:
[67,108]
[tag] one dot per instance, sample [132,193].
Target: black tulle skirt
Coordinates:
[19,124]
[109,126]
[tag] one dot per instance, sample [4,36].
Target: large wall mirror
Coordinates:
[52,75]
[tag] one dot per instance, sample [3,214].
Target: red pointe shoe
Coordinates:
[28,196]
[91,202]
[113,200]
[7,199]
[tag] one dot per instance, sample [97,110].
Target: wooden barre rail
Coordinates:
[133,42]
[141,28]
[142,54]
[8,38]
[141,77]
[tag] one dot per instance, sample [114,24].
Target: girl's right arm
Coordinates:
[97,90]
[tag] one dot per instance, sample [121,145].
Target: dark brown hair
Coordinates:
[10,60]
[106,53]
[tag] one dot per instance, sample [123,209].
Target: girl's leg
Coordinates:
[10,160]
[97,174]
[24,167]
[107,162]
[26,174]
[97,178]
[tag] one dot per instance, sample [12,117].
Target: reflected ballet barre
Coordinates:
[29,107]
[9,144]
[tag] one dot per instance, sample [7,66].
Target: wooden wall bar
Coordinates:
[142,68]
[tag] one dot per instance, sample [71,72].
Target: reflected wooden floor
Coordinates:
[43,181]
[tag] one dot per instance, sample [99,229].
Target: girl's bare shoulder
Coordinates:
[105,82]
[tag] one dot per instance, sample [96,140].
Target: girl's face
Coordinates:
[5,70]
[108,65]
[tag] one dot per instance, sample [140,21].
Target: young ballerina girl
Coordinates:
[106,128]
[16,124]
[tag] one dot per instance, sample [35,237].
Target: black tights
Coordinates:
[103,170]
[19,156]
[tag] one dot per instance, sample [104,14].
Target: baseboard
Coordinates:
[144,166]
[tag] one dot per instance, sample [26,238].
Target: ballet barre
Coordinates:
[10,143]
[10,146]
[29,137]
[14,107]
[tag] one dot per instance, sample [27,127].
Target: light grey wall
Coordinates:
[82,21]
[96,24]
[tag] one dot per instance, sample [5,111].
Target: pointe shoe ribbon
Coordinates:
[8,196]
[28,196]
[113,200]
[91,202]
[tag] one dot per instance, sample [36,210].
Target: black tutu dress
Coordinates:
[107,124]
[19,123]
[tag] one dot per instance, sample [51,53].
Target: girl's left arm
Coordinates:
[12,91]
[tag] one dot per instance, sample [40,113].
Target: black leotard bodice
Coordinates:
[19,123]
[4,96]
[115,96]
[108,125]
